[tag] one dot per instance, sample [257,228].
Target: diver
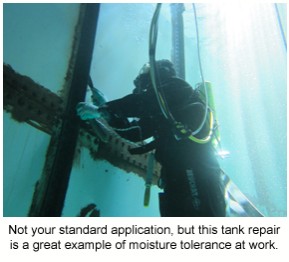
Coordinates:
[190,173]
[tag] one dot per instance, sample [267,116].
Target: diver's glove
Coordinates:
[87,111]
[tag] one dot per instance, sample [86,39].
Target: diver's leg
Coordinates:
[180,197]
[211,191]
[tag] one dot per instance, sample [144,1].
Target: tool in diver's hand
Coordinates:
[149,178]
[87,111]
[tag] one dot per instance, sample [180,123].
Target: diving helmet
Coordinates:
[165,69]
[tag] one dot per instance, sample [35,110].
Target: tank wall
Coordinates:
[37,41]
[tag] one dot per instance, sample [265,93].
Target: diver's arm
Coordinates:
[138,131]
[132,133]
[129,106]
[134,105]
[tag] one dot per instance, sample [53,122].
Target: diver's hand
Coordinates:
[87,111]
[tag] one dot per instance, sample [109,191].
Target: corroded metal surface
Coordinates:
[30,102]
[36,105]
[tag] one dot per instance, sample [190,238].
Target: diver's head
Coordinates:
[165,69]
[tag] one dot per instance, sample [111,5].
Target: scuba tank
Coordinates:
[216,137]
[200,88]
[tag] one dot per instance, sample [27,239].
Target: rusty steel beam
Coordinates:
[30,102]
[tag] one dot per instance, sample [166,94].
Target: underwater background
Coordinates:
[243,50]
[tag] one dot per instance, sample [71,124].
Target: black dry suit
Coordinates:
[190,172]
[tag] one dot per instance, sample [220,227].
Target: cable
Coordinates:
[153,72]
[202,74]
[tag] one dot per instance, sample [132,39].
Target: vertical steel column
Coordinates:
[50,192]
[178,51]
